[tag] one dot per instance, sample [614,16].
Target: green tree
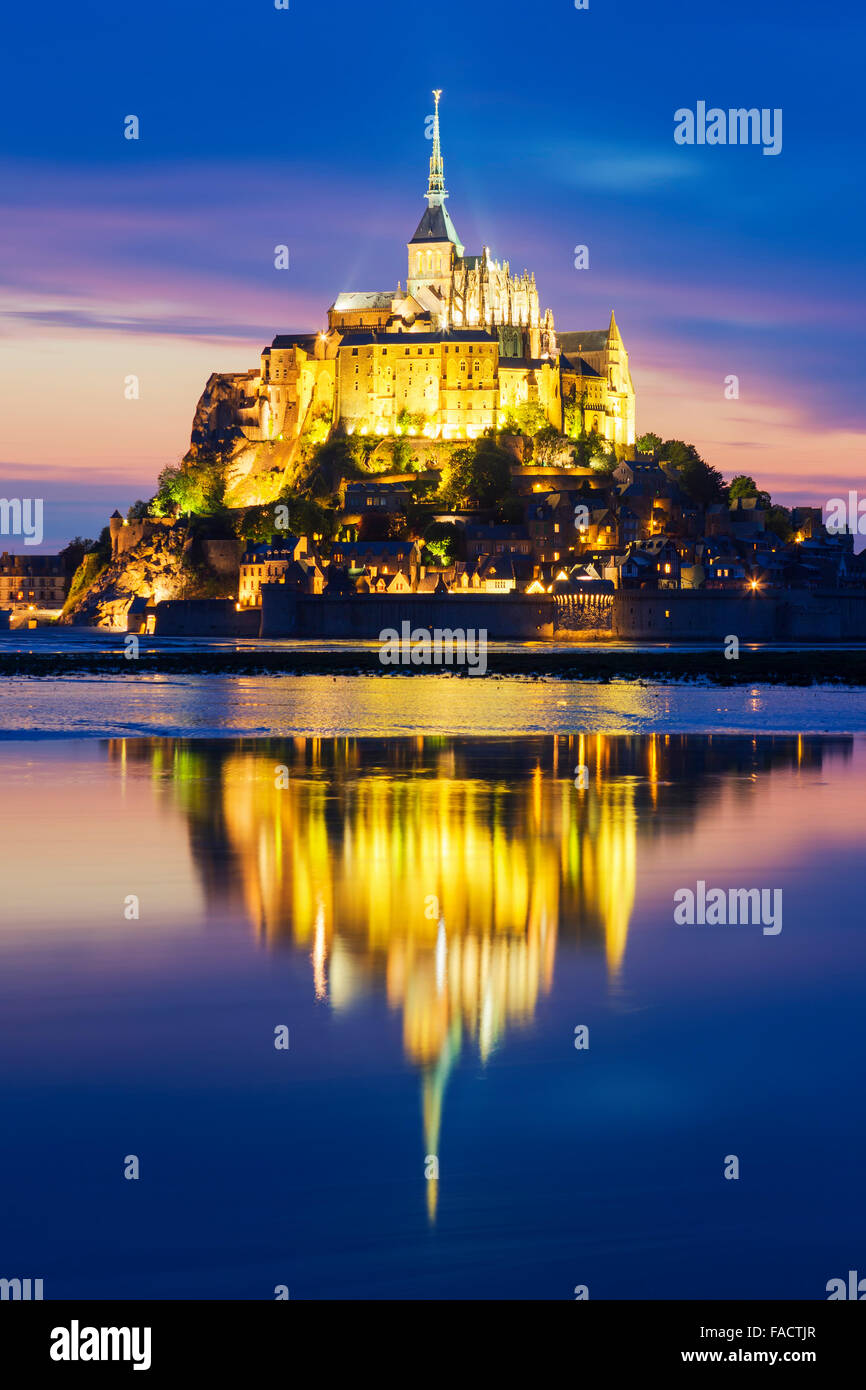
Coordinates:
[778,520]
[604,460]
[526,419]
[649,443]
[74,552]
[478,474]
[401,454]
[744,486]
[698,480]
[591,450]
[546,445]
[410,420]
[443,542]
[328,466]
[101,548]
[318,426]
[196,487]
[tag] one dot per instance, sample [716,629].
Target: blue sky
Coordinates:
[306,126]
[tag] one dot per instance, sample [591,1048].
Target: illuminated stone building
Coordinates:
[32,582]
[463,348]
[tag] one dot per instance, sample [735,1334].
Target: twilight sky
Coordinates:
[306,126]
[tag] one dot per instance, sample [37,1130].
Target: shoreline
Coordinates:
[815,666]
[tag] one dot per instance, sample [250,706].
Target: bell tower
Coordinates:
[435,247]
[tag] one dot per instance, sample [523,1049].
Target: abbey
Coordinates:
[463,348]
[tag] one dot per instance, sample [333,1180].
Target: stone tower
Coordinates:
[435,247]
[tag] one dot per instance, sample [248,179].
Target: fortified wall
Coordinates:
[696,616]
[363,616]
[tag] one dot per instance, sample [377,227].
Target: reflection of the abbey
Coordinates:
[442,870]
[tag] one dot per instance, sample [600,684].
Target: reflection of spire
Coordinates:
[433,1093]
[617,860]
[419,873]
[436,193]
[348,860]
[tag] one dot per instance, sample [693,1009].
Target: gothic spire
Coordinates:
[436,193]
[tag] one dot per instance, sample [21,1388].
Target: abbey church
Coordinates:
[460,350]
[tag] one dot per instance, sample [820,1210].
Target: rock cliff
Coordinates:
[158,567]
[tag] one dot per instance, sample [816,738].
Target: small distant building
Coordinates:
[632,570]
[498,574]
[371,498]
[724,567]
[40,582]
[490,539]
[285,562]
[665,559]
[378,559]
[141,616]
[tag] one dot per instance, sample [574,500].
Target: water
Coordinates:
[330,706]
[431,917]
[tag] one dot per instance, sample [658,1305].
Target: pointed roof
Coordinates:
[436,225]
[436,185]
[586,340]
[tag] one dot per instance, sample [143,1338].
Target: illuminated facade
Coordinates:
[463,348]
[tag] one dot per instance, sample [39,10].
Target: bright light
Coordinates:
[753,584]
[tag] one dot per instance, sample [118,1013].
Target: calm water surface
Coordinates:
[223,706]
[431,917]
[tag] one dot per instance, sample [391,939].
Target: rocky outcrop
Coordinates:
[225,406]
[157,568]
[227,426]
